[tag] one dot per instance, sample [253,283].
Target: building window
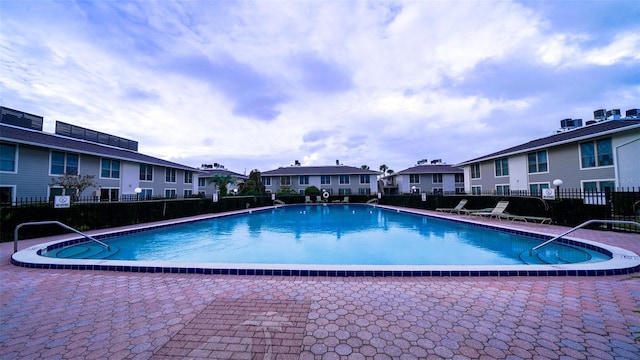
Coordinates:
[344,191]
[437,178]
[170,193]
[364,179]
[110,169]
[202,182]
[364,191]
[266,181]
[538,162]
[459,190]
[146,194]
[344,180]
[475,171]
[285,181]
[188,177]
[187,193]
[325,180]
[598,185]
[64,163]
[459,178]
[476,190]
[502,189]
[170,176]
[414,178]
[146,172]
[437,191]
[7,157]
[6,194]
[596,153]
[109,194]
[536,189]
[502,167]
[303,179]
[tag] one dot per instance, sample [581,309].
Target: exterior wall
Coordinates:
[627,159]
[130,176]
[564,163]
[334,188]
[33,177]
[518,169]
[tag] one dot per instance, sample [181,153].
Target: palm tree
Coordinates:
[221,181]
[365,167]
[383,168]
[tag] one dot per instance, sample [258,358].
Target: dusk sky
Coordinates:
[258,85]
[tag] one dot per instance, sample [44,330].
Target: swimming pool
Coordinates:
[340,240]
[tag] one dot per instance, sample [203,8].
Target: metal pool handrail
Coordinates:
[15,233]
[583,225]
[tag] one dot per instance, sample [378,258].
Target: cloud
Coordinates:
[260,84]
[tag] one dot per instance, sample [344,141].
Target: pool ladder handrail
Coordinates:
[622,222]
[50,222]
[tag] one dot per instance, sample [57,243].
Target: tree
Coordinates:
[312,190]
[365,167]
[74,184]
[389,171]
[221,181]
[383,168]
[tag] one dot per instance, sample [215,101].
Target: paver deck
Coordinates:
[50,314]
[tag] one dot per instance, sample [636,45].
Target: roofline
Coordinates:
[55,147]
[558,143]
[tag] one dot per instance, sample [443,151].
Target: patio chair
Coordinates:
[346,199]
[496,212]
[307,200]
[455,209]
[526,218]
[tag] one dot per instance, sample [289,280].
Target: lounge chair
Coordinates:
[372,201]
[307,200]
[455,209]
[525,218]
[278,202]
[496,212]
[346,199]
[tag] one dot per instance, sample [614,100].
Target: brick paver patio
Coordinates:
[51,314]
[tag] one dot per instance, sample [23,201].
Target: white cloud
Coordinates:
[260,84]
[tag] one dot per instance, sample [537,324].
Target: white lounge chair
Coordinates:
[455,209]
[496,212]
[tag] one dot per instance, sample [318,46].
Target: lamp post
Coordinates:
[557,183]
[413,189]
[138,191]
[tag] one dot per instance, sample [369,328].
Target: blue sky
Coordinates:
[258,85]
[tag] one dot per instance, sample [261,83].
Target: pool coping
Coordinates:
[622,261]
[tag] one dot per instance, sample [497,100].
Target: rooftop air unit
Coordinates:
[568,124]
[613,114]
[632,114]
[598,115]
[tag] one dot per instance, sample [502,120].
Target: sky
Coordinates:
[261,84]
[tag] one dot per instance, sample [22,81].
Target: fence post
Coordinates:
[608,207]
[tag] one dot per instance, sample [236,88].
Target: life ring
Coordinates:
[325,195]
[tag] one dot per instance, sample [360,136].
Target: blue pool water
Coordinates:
[333,234]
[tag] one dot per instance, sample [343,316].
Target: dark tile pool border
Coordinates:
[256,271]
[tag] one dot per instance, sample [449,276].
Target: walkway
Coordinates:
[51,314]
